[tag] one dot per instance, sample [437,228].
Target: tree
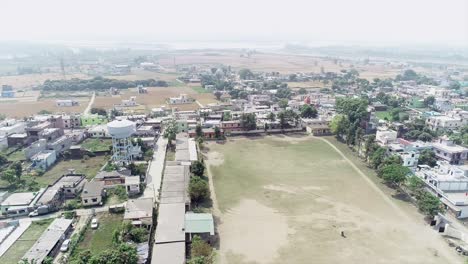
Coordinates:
[245,74]
[428,101]
[428,203]
[218,94]
[308,111]
[99,111]
[9,175]
[248,121]
[170,132]
[197,168]
[425,137]
[199,131]
[292,77]
[122,254]
[455,85]
[271,116]
[44,112]
[377,157]
[217,133]
[283,103]
[415,185]
[427,157]
[200,248]
[394,174]
[283,92]
[3,159]
[393,159]
[302,91]
[198,189]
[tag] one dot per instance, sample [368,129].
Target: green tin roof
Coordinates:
[199,223]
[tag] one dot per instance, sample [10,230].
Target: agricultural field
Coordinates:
[20,109]
[295,195]
[14,254]
[156,97]
[31,80]
[100,239]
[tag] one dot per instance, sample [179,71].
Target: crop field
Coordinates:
[21,109]
[14,254]
[289,198]
[156,97]
[31,80]
[284,63]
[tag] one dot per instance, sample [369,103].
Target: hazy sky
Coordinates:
[440,22]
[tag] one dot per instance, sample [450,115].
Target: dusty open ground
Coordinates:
[286,200]
[156,97]
[26,108]
[284,63]
[31,80]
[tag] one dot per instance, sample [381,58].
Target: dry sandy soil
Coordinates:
[286,200]
[283,63]
[27,108]
[30,80]
[156,97]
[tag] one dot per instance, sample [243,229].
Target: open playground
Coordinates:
[299,199]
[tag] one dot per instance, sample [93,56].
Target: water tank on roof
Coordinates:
[121,128]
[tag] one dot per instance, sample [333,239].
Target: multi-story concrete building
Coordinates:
[446,150]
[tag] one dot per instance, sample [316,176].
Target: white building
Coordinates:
[450,183]
[385,136]
[66,103]
[98,131]
[44,159]
[409,158]
[182,99]
[448,151]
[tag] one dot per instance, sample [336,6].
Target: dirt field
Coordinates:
[30,80]
[21,109]
[156,97]
[287,199]
[284,63]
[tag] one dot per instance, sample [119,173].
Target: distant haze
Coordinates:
[373,22]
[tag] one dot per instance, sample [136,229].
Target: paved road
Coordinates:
[90,104]
[155,170]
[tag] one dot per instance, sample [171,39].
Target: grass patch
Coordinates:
[14,254]
[96,144]
[89,167]
[170,154]
[99,240]
[383,115]
[200,89]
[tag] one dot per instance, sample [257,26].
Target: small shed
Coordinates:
[201,224]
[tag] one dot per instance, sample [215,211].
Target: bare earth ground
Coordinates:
[286,200]
[30,80]
[284,63]
[26,108]
[156,97]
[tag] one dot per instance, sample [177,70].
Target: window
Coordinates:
[94,200]
[85,200]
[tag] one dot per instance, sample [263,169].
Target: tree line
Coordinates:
[98,84]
